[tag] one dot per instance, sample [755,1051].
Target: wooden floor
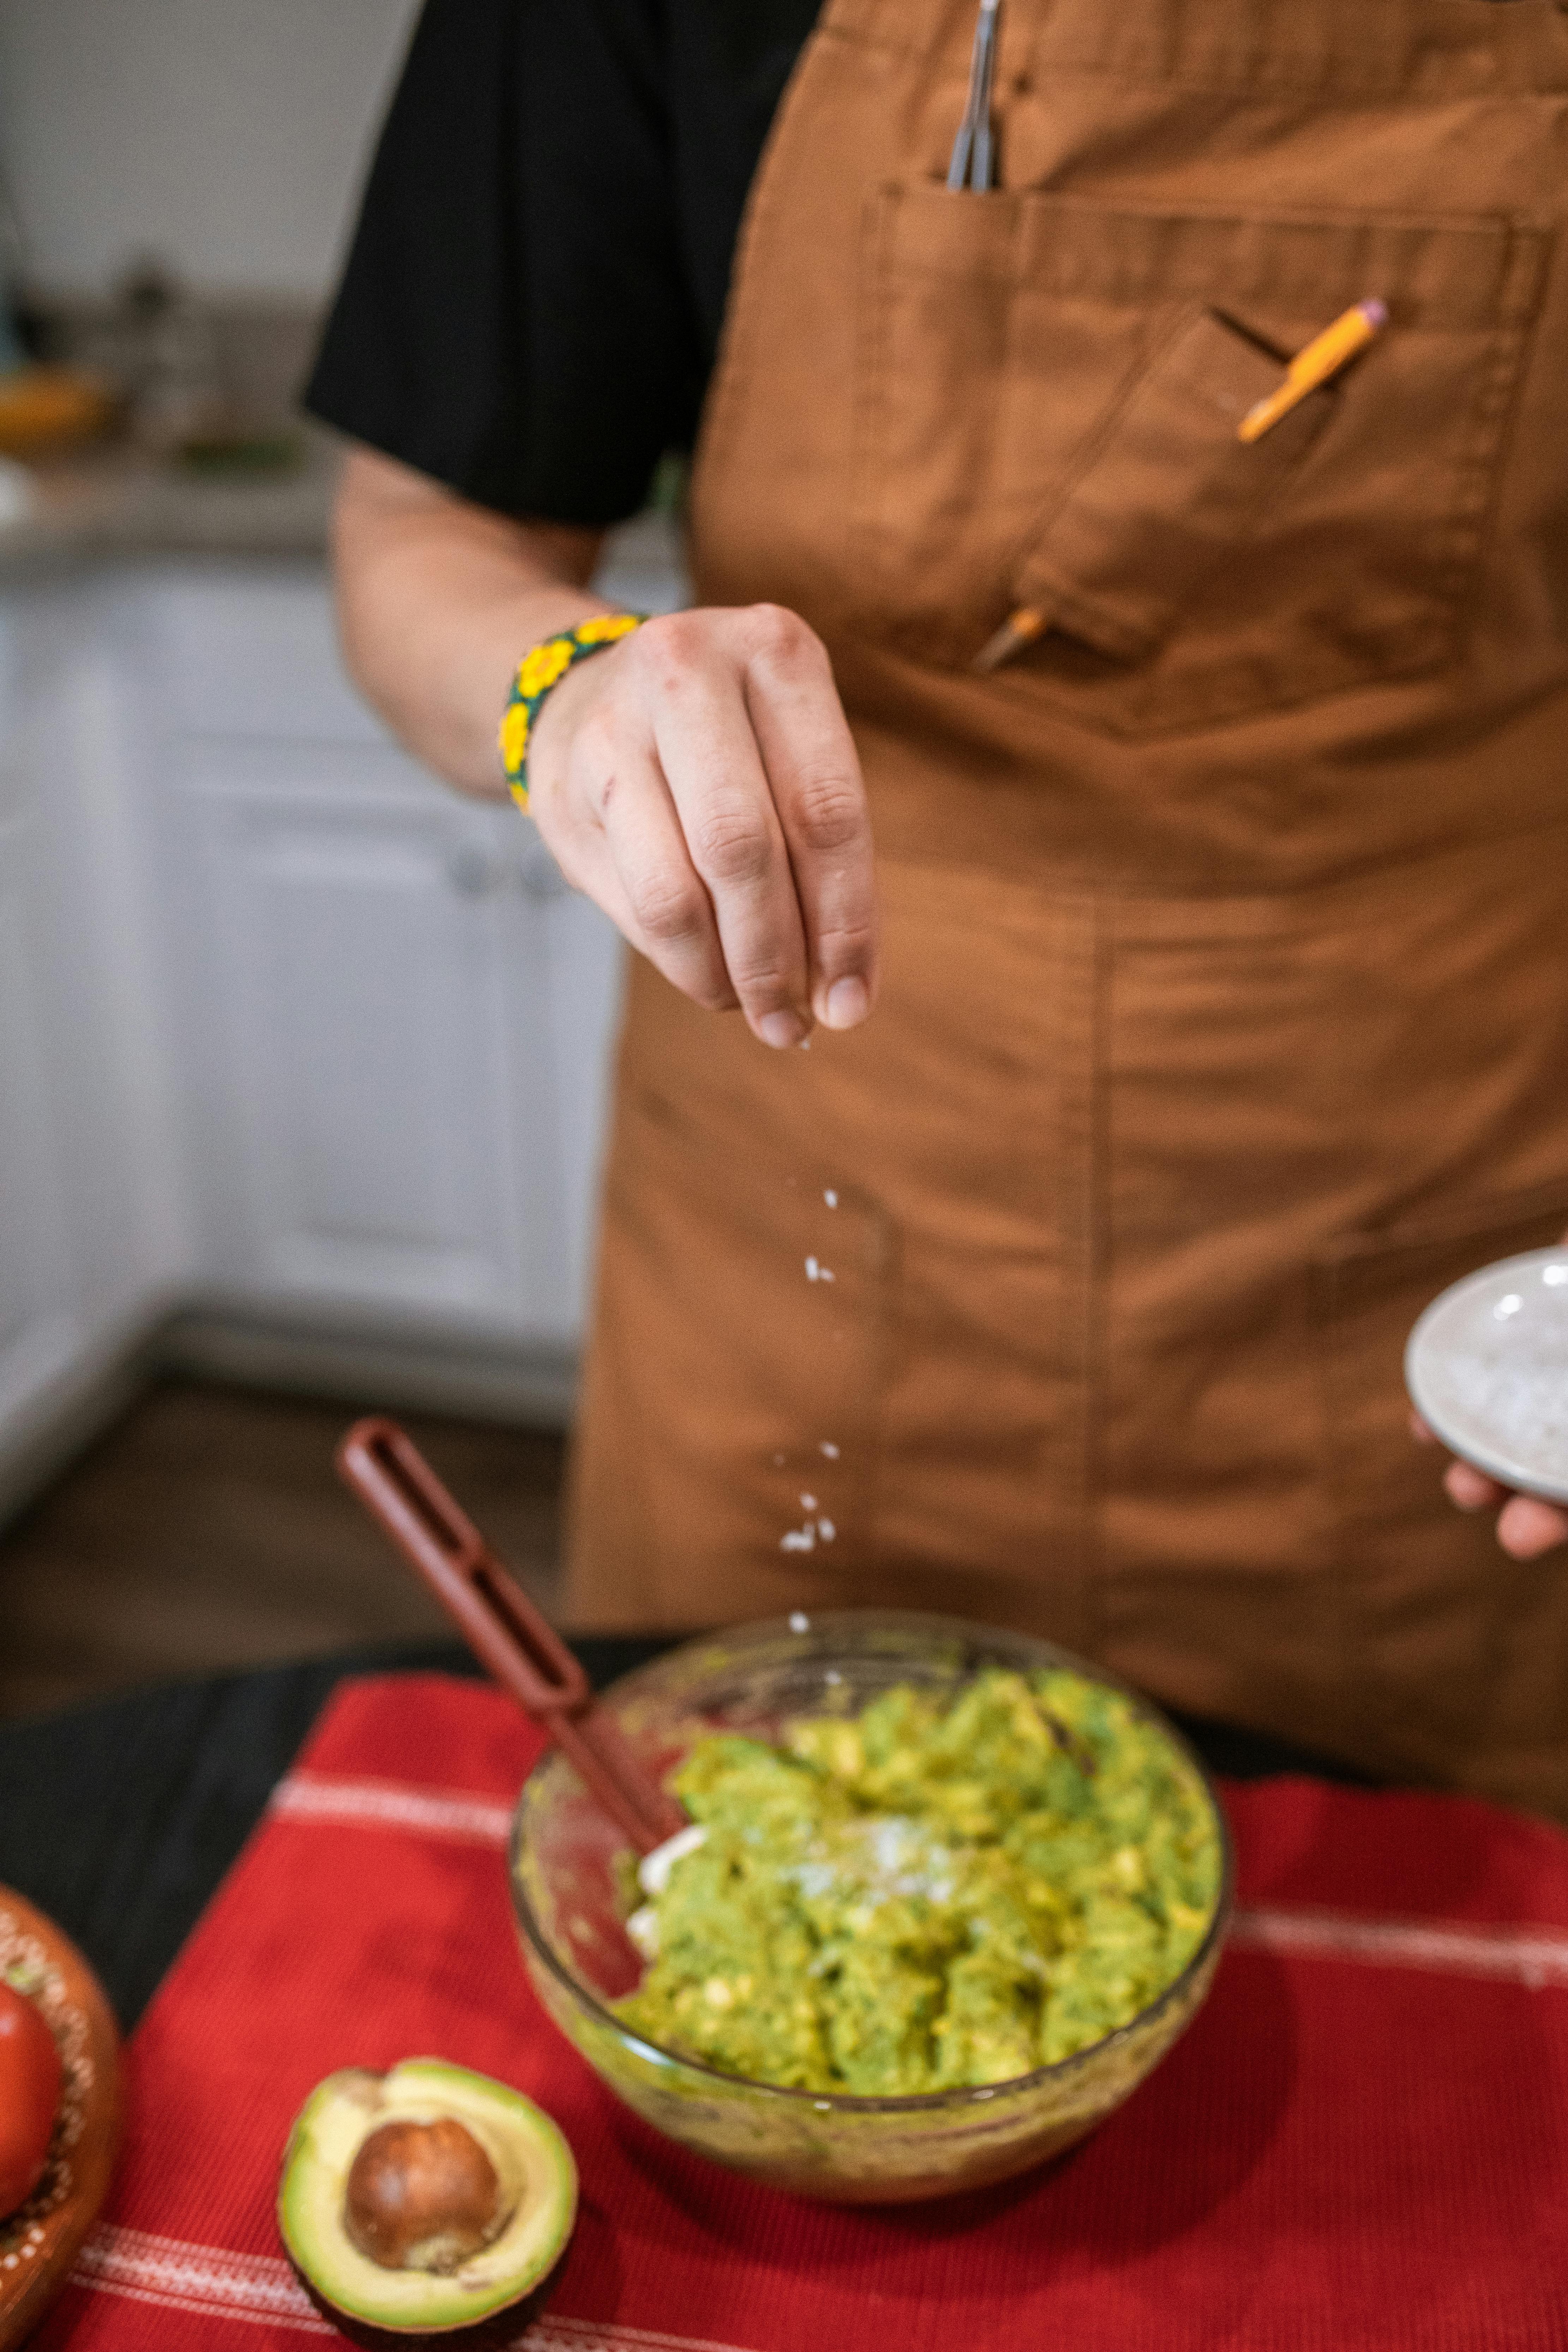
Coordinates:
[208,1531]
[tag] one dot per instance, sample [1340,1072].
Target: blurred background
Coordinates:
[302,1059]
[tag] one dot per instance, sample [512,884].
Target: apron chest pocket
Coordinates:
[1048,397]
[1166,494]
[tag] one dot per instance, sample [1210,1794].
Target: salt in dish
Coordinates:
[1487,1369]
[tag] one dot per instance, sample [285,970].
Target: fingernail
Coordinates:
[847,1002]
[780,1029]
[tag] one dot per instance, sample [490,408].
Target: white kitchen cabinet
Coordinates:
[90,1238]
[37,1331]
[293,1041]
[393,1036]
[378,1122]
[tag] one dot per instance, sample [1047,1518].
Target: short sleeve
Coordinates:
[515,318]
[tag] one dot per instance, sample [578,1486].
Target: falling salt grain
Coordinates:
[778,1461]
[798,1539]
[828,1448]
[826,1530]
[815,1273]
[808,1502]
[831,1199]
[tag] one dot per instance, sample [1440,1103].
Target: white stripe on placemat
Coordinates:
[1535,1957]
[392,1804]
[198,2279]
[214,2285]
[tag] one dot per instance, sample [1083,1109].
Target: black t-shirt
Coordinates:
[532,300]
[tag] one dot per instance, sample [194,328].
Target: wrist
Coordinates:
[538,674]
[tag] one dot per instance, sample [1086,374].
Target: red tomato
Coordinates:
[29,2096]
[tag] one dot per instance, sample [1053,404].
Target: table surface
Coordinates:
[120,1819]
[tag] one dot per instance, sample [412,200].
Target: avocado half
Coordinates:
[426,2200]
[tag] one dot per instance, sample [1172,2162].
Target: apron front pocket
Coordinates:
[1044,417]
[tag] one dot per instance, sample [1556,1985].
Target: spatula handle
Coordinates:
[506,1633]
[397,1486]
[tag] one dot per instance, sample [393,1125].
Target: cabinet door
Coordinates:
[377,988]
[584,961]
[37,1332]
[395,1021]
[90,1236]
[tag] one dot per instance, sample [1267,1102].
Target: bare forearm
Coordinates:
[437,601]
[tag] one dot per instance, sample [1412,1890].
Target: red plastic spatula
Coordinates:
[501,1625]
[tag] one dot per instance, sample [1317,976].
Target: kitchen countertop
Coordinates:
[116,501]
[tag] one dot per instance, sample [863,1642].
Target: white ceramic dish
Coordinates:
[1487,1369]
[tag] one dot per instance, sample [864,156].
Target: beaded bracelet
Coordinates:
[543,667]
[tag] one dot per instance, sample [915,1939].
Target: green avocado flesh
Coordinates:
[928,1895]
[531,2160]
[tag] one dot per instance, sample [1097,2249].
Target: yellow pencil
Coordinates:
[1314,364]
[1019,629]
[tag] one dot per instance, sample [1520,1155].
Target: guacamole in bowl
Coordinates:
[931,1896]
[950,1896]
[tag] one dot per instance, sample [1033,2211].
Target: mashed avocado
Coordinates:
[928,1895]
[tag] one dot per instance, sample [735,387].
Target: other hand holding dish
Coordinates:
[1487,1369]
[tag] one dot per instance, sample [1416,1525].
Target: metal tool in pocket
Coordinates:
[973,163]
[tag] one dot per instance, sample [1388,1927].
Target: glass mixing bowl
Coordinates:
[566,1895]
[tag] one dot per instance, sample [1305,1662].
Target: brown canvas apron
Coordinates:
[1225,1008]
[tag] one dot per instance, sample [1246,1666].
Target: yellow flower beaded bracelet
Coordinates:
[540,669]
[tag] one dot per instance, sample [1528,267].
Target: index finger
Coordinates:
[813,773]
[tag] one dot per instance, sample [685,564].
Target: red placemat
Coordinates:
[1362,2141]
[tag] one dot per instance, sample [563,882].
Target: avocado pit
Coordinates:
[423,2197]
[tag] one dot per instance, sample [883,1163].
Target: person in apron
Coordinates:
[1222,999]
